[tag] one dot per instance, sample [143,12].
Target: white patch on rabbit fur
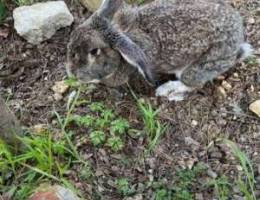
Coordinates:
[91,59]
[247,50]
[134,64]
[173,90]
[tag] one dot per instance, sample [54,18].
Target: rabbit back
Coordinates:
[179,33]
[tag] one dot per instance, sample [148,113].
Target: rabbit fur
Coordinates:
[196,40]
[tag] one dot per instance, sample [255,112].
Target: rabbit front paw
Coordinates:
[173,90]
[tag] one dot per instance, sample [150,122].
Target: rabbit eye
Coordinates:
[95,52]
[75,56]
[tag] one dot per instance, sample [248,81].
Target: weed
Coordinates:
[97,137]
[184,180]
[24,2]
[41,158]
[2,11]
[246,186]
[251,60]
[115,143]
[122,186]
[86,121]
[221,187]
[153,127]
[97,107]
[161,194]
[119,126]
[103,125]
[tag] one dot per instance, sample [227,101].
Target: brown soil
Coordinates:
[205,116]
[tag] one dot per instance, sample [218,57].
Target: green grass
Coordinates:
[122,186]
[184,181]
[152,126]
[181,187]
[24,2]
[245,180]
[2,11]
[42,158]
[221,187]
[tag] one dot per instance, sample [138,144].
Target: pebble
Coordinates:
[55,192]
[194,123]
[251,20]
[255,107]
[212,174]
[216,155]
[60,87]
[221,92]
[57,96]
[199,196]
[136,197]
[226,85]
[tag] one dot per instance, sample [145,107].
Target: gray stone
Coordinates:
[40,21]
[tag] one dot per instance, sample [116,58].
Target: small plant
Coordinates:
[86,121]
[103,125]
[122,186]
[153,127]
[247,184]
[161,194]
[221,187]
[97,137]
[72,82]
[41,158]
[24,2]
[119,126]
[251,60]
[115,143]
[97,107]
[2,11]
[184,180]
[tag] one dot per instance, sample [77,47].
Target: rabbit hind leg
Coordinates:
[196,76]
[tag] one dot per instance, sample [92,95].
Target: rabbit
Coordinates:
[197,40]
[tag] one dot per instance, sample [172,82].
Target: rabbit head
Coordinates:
[98,51]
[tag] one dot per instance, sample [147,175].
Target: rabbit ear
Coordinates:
[108,8]
[129,50]
[135,56]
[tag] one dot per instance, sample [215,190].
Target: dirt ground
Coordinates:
[194,124]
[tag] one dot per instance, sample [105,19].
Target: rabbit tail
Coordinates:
[245,51]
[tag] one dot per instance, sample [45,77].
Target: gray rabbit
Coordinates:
[196,40]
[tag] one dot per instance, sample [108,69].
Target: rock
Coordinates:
[39,128]
[212,174]
[190,141]
[57,97]
[56,192]
[199,196]
[237,197]
[221,92]
[136,197]
[251,20]
[194,123]
[40,21]
[91,5]
[60,87]
[255,107]
[216,155]
[226,85]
